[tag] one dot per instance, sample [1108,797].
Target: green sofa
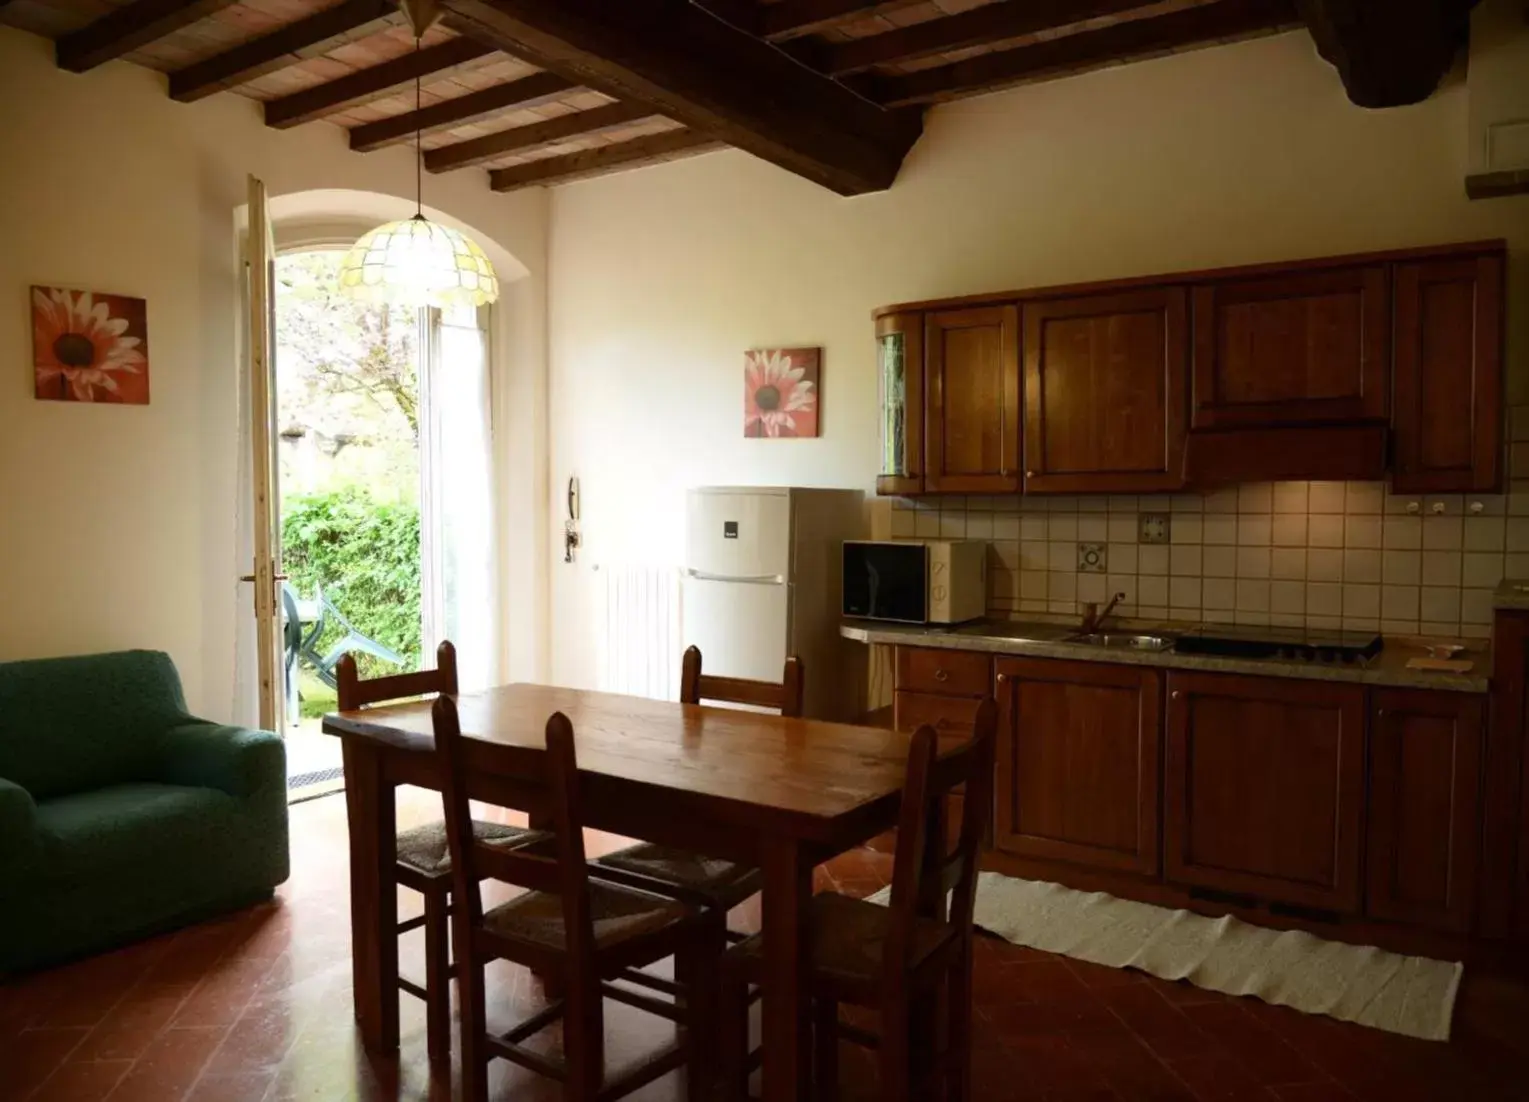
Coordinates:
[120,814]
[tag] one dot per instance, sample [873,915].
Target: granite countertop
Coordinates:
[1511,593]
[1047,640]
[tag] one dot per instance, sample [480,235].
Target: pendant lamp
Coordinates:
[417,262]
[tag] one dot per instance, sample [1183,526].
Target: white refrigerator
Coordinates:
[763,570]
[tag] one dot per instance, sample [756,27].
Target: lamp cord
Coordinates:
[419,146]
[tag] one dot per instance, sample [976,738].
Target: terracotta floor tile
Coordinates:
[1253,1045]
[248,1087]
[82,1081]
[31,1057]
[1221,1079]
[170,1066]
[133,1024]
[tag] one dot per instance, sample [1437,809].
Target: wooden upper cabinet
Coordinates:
[900,378]
[1105,392]
[1447,407]
[971,386]
[1303,348]
[1263,782]
[1424,838]
[1078,770]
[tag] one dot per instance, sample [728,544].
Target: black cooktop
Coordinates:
[1299,644]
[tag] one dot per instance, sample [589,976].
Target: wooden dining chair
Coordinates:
[896,959]
[581,932]
[424,861]
[698,879]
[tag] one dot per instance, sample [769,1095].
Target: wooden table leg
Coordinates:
[373,895]
[787,1007]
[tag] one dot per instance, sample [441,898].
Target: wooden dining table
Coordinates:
[780,794]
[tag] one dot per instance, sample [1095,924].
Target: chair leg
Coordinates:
[895,1056]
[583,1041]
[959,1034]
[470,999]
[695,967]
[825,1049]
[733,1036]
[437,978]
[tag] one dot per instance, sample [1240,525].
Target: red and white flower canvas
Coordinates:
[782,391]
[89,347]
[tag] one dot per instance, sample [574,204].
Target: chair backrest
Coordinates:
[559,868]
[785,697]
[924,869]
[354,693]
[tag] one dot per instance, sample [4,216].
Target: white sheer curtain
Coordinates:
[460,596]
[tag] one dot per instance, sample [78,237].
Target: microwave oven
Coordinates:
[915,581]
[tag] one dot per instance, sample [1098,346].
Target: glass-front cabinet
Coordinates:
[900,373]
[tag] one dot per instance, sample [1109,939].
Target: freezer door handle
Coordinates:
[748,579]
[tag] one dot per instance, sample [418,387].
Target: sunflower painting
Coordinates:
[89,347]
[782,391]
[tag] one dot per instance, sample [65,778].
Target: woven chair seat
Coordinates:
[724,883]
[619,915]
[847,937]
[424,849]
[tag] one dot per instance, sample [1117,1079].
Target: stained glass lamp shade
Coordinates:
[417,262]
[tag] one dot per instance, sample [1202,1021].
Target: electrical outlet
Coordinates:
[1092,558]
[1154,528]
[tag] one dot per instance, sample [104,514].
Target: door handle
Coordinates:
[747,579]
[274,577]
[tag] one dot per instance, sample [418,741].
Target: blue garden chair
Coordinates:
[302,644]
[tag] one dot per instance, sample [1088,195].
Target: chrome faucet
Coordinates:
[1093,619]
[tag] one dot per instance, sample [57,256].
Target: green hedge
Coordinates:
[365,555]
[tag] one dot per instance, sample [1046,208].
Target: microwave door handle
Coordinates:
[746,579]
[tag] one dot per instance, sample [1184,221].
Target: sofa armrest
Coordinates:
[235,760]
[19,841]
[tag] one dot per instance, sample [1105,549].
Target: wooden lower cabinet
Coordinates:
[1504,892]
[1424,812]
[1078,763]
[1264,789]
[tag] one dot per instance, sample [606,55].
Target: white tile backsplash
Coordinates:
[1323,554]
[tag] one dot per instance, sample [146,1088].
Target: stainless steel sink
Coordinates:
[1121,640]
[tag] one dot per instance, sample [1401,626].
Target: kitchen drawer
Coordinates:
[952,717]
[946,672]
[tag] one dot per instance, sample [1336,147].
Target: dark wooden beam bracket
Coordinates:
[690,66]
[525,92]
[317,34]
[1389,52]
[127,28]
[975,27]
[590,162]
[371,83]
[476,151]
[1088,49]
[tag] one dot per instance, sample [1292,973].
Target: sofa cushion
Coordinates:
[113,830]
[76,724]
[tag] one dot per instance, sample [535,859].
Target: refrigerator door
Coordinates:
[739,534]
[741,627]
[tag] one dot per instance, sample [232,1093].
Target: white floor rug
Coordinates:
[1413,996]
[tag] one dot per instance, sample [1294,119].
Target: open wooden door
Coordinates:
[260,260]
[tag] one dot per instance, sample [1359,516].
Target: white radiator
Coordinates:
[640,630]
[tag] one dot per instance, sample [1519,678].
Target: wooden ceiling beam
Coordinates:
[127,28]
[1389,53]
[976,27]
[607,158]
[690,66]
[1088,50]
[794,18]
[526,92]
[317,34]
[475,151]
[373,82]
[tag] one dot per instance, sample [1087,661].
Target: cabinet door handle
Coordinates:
[941,675]
[1176,694]
[1003,679]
